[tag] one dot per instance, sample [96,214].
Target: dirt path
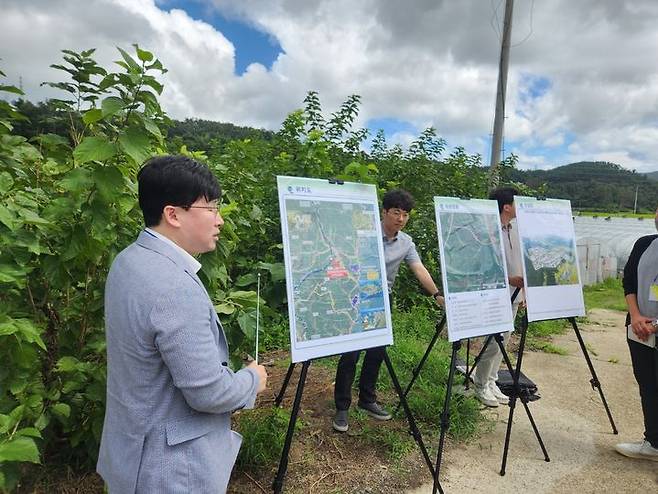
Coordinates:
[572,423]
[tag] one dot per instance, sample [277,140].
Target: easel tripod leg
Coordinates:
[445,417]
[277,485]
[412,423]
[416,371]
[518,395]
[284,386]
[595,380]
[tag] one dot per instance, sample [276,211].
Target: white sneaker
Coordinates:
[640,449]
[498,394]
[486,397]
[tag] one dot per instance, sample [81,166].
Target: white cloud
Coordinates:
[426,62]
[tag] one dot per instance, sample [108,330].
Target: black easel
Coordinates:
[517,394]
[416,371]
[439,328]
[445,415]
[277,485]
[595,380]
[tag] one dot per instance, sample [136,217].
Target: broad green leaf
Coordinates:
[136,144]
[11,89]
[11,273]
[92,116]
[131,65]
[5,423]
[224,308]
[111,105]
[31,218]
[246,279]
[77,180]
[247,323]
[67,364]
[143,55]
[109,181]
[17,386]
[28,431]
[28,332]
[61,409]
[94,149]
[277,270]
[8,218]
[151,126]
[6,183]
[19,449]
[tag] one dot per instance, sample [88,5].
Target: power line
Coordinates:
[532,8]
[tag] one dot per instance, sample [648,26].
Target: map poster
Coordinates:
[550,262]
[473,267]
[335,269]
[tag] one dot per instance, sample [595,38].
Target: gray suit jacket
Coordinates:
[170,392]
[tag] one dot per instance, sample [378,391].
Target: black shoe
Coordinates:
[375,410]
[340,421]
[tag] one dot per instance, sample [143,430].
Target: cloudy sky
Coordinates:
[583,80]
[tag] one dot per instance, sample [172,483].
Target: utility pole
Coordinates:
[635,205]
[499,118]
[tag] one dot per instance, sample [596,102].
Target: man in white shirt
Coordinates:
[486,372]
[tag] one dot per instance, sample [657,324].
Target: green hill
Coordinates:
[594,185]
[652,176]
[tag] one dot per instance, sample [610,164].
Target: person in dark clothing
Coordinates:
[641,291]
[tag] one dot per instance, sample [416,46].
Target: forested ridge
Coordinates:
[594,185]
[590,185]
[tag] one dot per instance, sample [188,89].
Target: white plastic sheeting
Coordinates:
[605,243]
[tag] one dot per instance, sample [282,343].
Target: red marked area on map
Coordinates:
[336,270]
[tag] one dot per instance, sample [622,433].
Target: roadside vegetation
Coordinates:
[68,206]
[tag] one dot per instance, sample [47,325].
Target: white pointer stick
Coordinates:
[257,313]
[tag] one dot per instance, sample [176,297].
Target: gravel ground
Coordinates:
[571,420]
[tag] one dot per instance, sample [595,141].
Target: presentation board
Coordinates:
[335,269]
[550,258]
[473,267]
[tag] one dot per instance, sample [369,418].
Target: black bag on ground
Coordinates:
[506,385]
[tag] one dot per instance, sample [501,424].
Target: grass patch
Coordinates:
[413,332]
[617,214]
[539,333]
[264,432]
[550,348]
[606,295]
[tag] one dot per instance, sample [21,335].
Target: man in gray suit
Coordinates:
[170,392]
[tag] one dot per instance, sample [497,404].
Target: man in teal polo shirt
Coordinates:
[398,247]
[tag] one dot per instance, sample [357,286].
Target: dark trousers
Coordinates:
[368,381]
[645,369]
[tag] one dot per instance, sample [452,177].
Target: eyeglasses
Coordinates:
[213,209]
[398,213]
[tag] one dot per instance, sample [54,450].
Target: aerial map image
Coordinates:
[471,245]
[550,260]
[338,288]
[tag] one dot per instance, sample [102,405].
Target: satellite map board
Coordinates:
[473,267]
[550,260]
[335,270]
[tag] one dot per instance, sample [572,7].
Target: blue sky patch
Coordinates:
[390,126]
[251,45]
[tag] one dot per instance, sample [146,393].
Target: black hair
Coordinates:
[504,195]
[398,198]
[173,181]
